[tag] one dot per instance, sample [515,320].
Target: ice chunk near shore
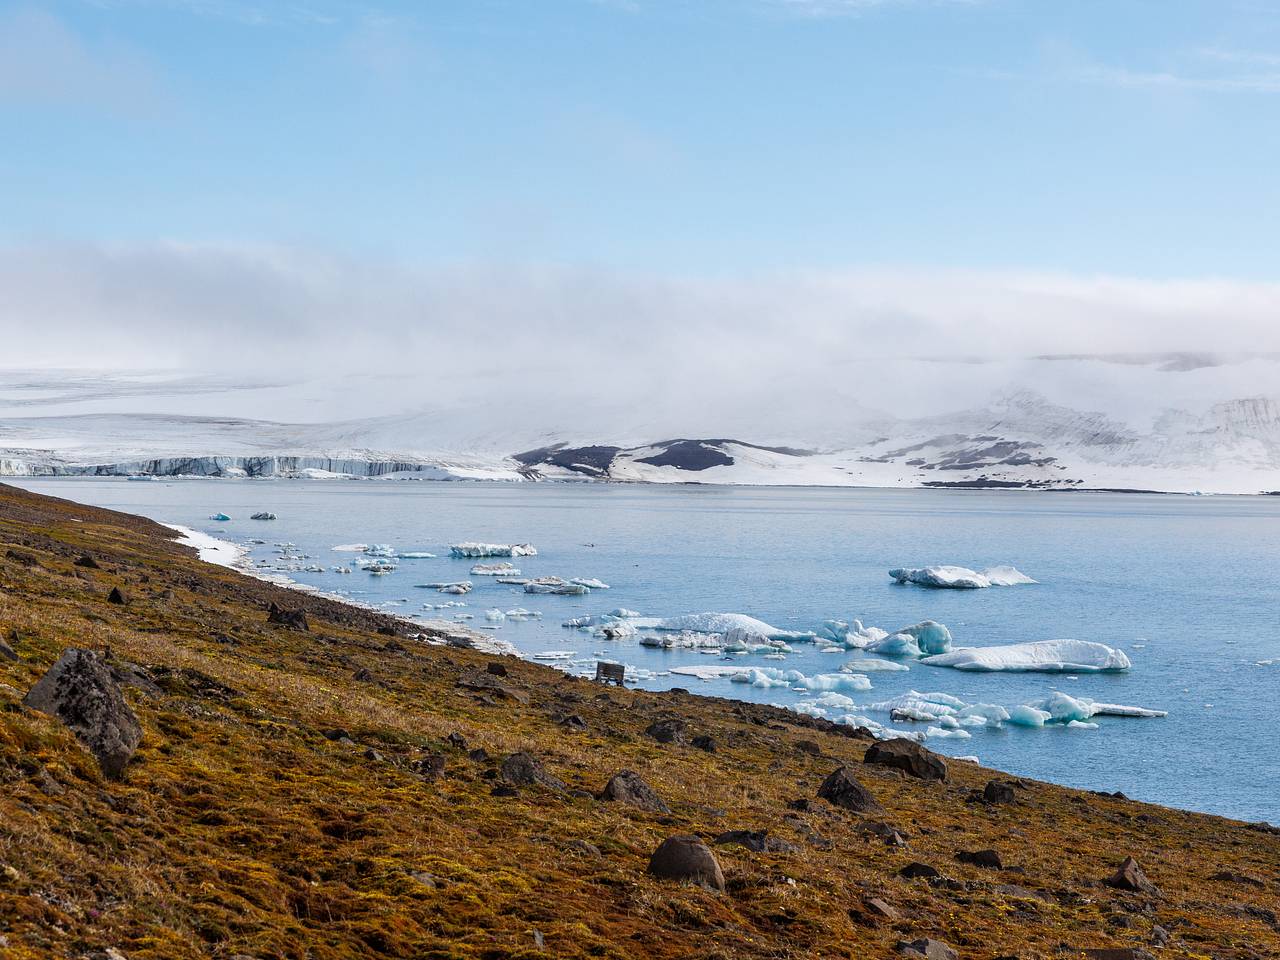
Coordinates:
[219,517]
[471,549]
[502,569]
[1047,656]
[1024,716]
[854,636]
[622,613]
[556,586]
[494,615]
[1064,708]
[615,630]
[591,583]
[685,639]
[926,706]
[918,640]
[456,587]
[948,577]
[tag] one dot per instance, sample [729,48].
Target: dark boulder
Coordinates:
[917,871]
[87,562]
[928,949]
[1131,878]
[7,652]
[671,730]
[293,619]
[907,756]
[842,789]
[998,791]
[704,742]
[757,841]
[989,859]
[118,597]
[688,860]
[81,692]
[627,786]
[1118,953]
[525,770]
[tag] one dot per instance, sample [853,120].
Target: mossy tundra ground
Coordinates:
[247,826]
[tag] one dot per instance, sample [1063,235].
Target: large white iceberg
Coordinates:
[722,623]
[1064,708]
[1048,656]
[949,577]
[556,586]
[470,549]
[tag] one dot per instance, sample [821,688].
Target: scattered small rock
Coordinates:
[496,669]
[843,789]
[118,597]
[338,735]
[1230,876]
[87,561]
[907,756]
[81,692]
[809,747]
[879,908]
[459,742]
[292,619]
[1117,953]
[1130,877]
[627,786]
[430,766]
[989,859]
[998,791]
[917,871]
[928,949]
[670,730]
[584,848]
[704,742]
[757,841]
[524,770]
[686,858]
[7,652]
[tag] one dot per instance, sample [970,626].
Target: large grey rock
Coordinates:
[525,770]
[627,786]
[928,949]
[1130,877]
[81,692]
[843,789]
[687,859]
[907,756]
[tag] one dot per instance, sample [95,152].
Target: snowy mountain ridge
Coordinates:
[1018,438]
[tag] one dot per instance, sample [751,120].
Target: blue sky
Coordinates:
[1128,137]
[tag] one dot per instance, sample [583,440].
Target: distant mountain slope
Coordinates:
[1058,437]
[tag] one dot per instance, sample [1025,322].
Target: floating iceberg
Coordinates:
[351,547]
[1048,656]
[503,569]
[219,517]
[591,583]
[668,640]
[1063,708]
[556,586]
[263,515]
[622,613]
[722,623]
[766,677]
[379,550]
[918,640]
[462,550]
[494,615]
[457,587]
[414,555]
[948,577]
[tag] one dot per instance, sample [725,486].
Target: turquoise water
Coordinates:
[1188,587]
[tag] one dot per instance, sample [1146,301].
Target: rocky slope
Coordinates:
[306,779]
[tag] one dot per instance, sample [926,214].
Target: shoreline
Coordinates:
[233,556]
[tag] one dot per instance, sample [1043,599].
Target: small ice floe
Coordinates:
[416,555]
[379,550]
[502,569]
[262,515]
[591,583]
[219,517]
[685,639]
[341,569]
[920,707]
[554,655]
[520,614]
[622,613]
[379,569]
[494,615]
[870,665]
[948,577]
[458,587]
[556,587]
[350,548]
[766,677]
[1045,656]
[471,549]
[617,630]
[514,581]
[708,671]
[967,759]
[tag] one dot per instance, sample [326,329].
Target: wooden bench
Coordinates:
[610,672]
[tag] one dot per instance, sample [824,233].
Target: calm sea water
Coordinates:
[1188,587]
